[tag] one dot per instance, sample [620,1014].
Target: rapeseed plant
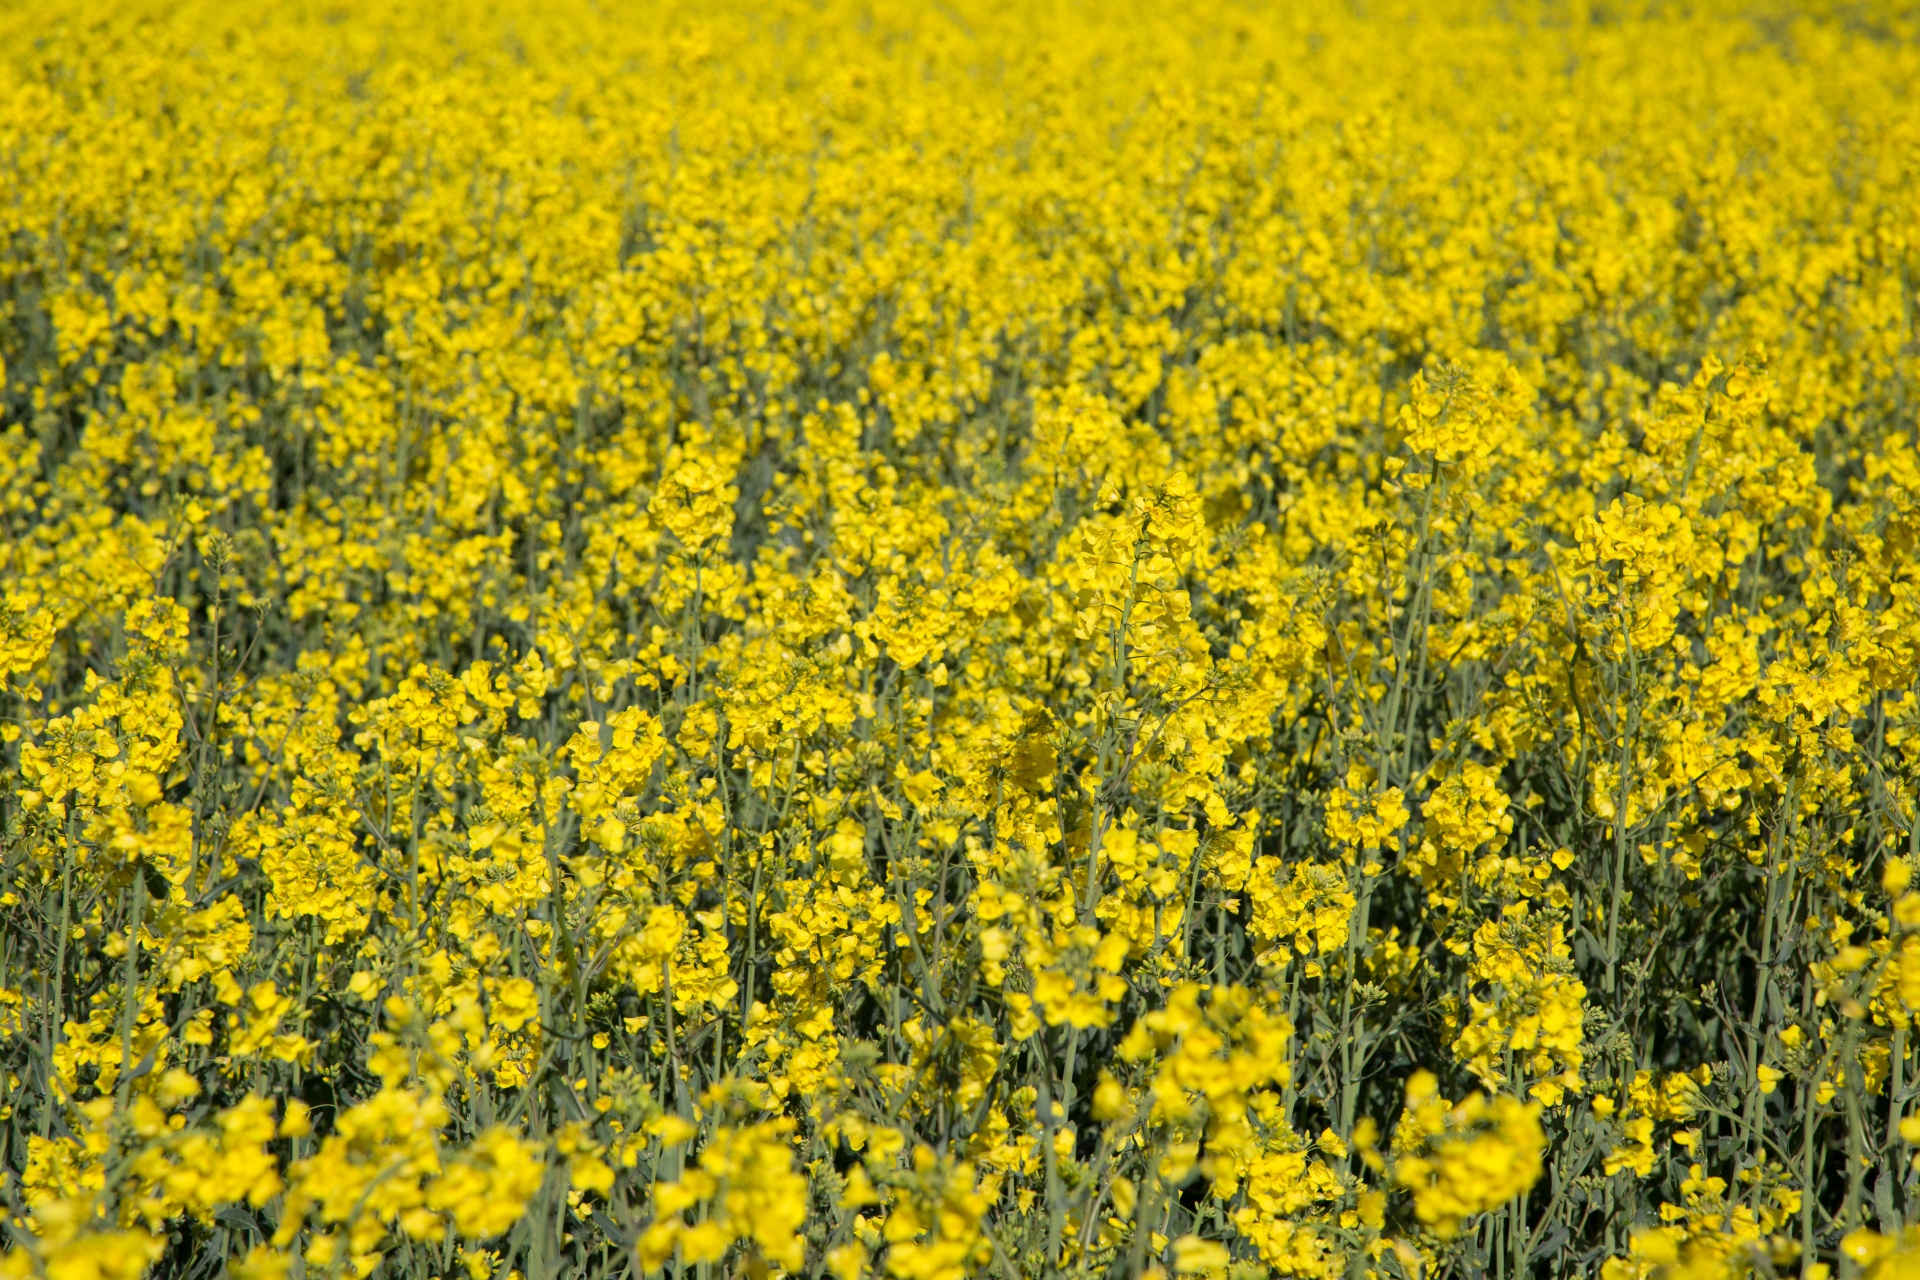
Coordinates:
[867,639]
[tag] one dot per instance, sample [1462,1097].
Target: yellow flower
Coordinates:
[1459,1161]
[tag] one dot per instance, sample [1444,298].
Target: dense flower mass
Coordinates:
[867,639]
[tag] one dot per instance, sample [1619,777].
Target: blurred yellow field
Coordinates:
[937,640]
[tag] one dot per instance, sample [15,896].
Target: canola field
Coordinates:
[852,638]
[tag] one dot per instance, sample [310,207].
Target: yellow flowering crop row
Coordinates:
[853,638]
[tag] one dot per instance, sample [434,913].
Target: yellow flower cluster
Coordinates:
[875,639]
[1463,1160]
